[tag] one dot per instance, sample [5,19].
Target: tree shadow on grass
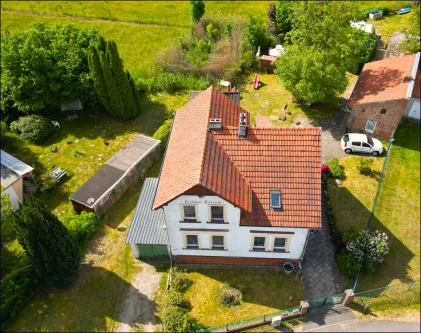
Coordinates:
[92,302]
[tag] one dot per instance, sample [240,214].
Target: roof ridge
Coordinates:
[206,137]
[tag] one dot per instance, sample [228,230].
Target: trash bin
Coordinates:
[288,267]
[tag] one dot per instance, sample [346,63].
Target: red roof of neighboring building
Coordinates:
[263,121]
[243,171]
[383,80]
[267,57]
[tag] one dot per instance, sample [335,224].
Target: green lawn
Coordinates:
[175,13]
[265,292]
[398,209]
[271,97]
[93,301]
[137,45]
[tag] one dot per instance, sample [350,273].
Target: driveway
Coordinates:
[138,312]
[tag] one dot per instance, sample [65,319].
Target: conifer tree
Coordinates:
[53,252]
[114,86]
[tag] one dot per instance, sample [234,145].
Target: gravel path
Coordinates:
[138,310]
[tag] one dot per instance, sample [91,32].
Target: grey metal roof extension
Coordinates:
[12,163]
[114,170]
[147,226]
[8,177]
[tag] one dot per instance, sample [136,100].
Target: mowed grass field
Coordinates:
[138,45]
[174,13]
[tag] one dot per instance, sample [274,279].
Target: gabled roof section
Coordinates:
[188,162]
[12,163]
[384,80]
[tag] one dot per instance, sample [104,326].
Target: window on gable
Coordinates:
[217,213]
[370,126]
[275,199]
[189,212]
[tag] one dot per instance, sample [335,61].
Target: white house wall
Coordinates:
[238,238]
[413,109]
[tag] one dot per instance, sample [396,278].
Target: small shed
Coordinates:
[73,106]
[12,173]
[266,63]
[109,184]
[147,233]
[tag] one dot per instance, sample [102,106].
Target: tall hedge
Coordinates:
[115,88]
[53,252]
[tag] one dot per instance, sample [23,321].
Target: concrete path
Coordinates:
[320,273]
[138,310]
[372,326]
[325,316]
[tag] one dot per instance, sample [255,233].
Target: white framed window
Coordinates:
[191,240]
[217,241]
[275,200]
[189,212]
[259,242]
[370,126]
[281,242]
[217,213]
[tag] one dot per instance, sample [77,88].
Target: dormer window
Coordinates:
[275,200]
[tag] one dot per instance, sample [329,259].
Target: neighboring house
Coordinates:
[385,91]
[230,193]
[108,185]
[12,173]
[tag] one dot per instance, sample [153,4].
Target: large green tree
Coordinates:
[281,16]
[53,252]
[44,66]
[197,10]
[323,50]
[256,33]
[115,88]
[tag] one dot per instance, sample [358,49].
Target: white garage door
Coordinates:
[415,110]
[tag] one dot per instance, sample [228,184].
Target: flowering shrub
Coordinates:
[369,247]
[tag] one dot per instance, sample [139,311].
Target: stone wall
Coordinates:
[133,175]
[385,123]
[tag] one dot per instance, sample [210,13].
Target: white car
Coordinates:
[361,143]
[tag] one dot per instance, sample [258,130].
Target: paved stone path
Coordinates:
[372,326]
[320,273]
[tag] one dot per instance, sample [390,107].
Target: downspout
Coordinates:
[305,245]
[348,109]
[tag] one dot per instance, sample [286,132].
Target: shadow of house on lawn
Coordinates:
[90,304]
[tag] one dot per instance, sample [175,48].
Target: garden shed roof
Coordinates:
[114,170]
[14,164]
[147,225]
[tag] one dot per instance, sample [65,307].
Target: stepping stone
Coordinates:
[100,155]
[256,95]
[99,159]
[76,141]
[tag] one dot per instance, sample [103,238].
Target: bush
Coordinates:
[336,170]
[351,234]
[228,295]
[163,133]
[82,226]
[179,280]
[369,247]
[14,291]
[348,265]
[48,184]
[175,298]
[176,319]
[364,165]
[34,128]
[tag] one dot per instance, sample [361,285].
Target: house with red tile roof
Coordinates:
[386,91]
[235,194]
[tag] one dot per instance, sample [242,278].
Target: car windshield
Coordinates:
[370,141]
[346,138]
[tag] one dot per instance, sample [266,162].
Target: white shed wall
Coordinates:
[13,197]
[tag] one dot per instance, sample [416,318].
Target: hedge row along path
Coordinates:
[26,12]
